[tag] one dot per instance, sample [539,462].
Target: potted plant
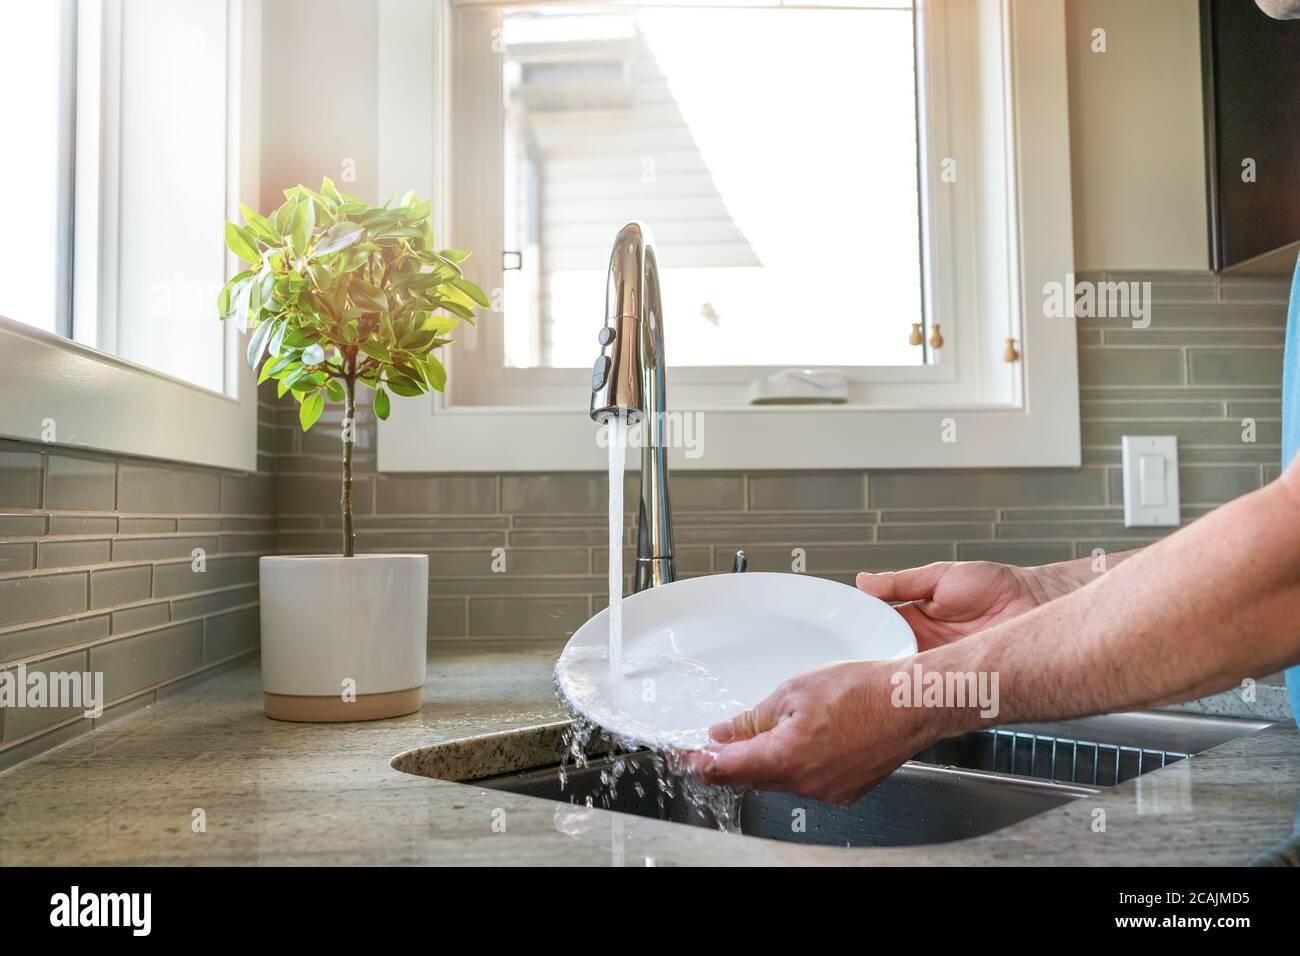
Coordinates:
[339,294]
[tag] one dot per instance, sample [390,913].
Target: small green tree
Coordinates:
[340,293]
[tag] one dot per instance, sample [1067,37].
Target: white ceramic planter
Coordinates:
[343,638]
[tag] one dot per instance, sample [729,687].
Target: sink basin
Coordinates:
[960,788]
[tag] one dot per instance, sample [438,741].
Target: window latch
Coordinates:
[512,261]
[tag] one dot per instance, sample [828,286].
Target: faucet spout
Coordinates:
[628,379]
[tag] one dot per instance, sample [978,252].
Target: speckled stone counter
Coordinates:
[204,778]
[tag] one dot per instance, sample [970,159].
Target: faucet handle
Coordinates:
[741,563]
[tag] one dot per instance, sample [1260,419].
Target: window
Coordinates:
[823,181]
[135,120]
[37,50]
[777,197]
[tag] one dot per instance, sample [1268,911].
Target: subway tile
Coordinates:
[153,549]
[17,557]
[422,494]
[1109,366]
[114,586]
[178,579]
[83,524]
[1235,367]
[203,604]
[1216,484]
[560,538]
[314,496]
[526,616]
[517,561]
[41,596]
[1135,409]
[144,660]
[71,554]
[506,585]
[199,525]
[1031,530]
[1086,513]
[146,525]
[141,617]
[812,492]
[80,484]
[927,531]
[577,492]
[447,617]
[1000,488]
[22,526]
[1023,554]
[256,542]
[851,529]
[940,515]
[159,490]
[21,721]
[1254,409]
[423,522]
[247,494]
[33,641]
[695,492]
[1188,433]
[20,477]
[1182,393]
[228,635]
[1225,337]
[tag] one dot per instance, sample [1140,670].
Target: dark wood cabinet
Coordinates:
[1251,72]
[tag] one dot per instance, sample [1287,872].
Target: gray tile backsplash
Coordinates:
[96,573]
[95,551]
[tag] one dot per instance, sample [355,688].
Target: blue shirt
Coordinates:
[1291,427]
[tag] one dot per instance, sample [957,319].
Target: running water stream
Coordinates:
[617,463]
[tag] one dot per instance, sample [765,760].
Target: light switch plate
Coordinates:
[1150,481]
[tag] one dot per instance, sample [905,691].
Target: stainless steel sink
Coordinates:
[960,788]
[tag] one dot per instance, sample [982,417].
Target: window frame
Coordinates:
[64,390]
[1021,414]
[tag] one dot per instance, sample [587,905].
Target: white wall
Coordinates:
[1137,144]
[320,61]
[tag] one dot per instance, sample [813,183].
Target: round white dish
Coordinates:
[702,650]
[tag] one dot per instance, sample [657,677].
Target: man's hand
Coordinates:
[949,600]
[831,735]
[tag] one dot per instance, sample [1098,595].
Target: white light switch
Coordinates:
[1150,481]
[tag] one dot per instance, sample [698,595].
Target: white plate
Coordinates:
[701,650]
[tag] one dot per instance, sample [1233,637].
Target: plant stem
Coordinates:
[349,439]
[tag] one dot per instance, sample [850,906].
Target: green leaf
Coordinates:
[301,225]
[471,290]
[401,385]
[277,339]
[375,351]
[241,242]
[261,227]
[368,297]
[334,388]
[329,191]
[337,237]
[309,411]
[257,343]
[437,374]
[313,354]
[381,405]
[455,255]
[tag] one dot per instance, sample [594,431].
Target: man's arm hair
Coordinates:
[1196,613]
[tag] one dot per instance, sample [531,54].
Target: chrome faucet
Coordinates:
[628,379]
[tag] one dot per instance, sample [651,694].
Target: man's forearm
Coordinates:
[1193,614]
[1050,581]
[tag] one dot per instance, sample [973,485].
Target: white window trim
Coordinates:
[64,392]
[1033,422]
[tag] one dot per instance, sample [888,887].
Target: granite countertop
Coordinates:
[266,792]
